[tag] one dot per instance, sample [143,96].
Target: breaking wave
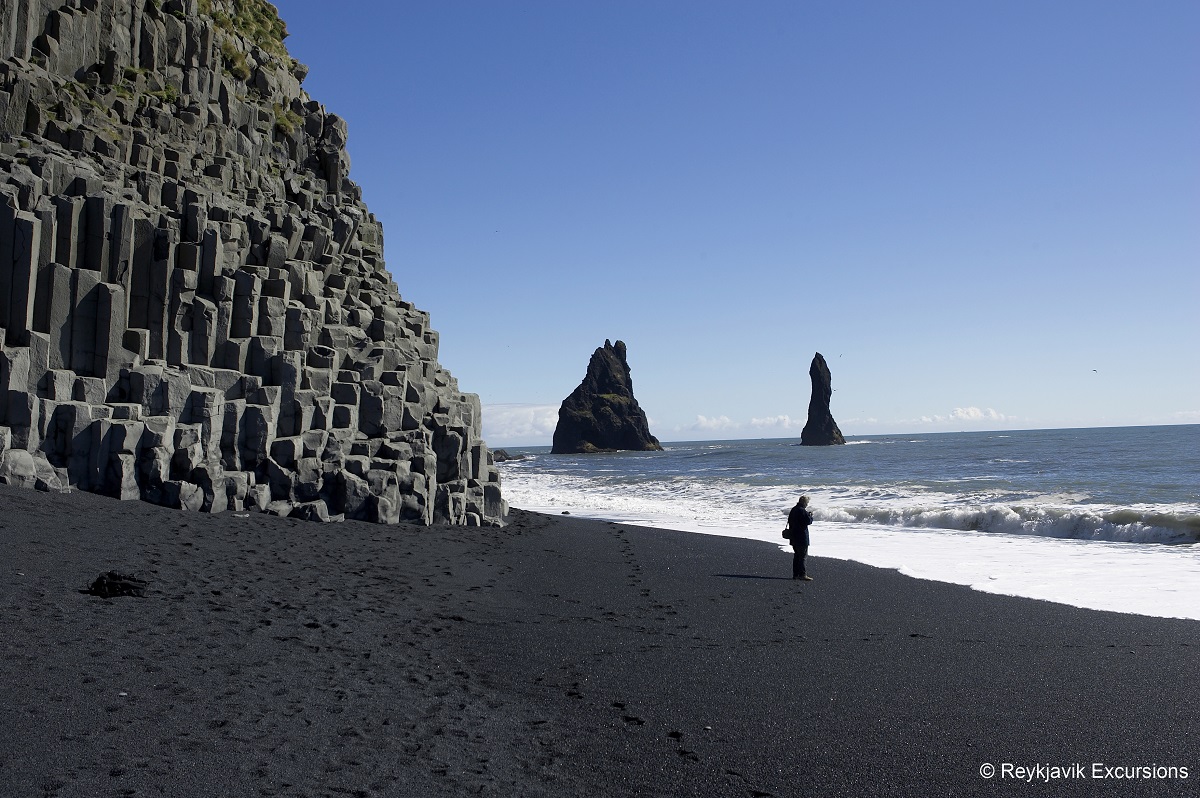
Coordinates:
[1080,522]
[738,506]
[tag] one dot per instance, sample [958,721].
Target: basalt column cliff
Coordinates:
[193,298]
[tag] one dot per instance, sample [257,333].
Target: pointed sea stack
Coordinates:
[821,429]
[601,415]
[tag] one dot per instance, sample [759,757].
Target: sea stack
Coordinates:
[820,429]
[193,297]
[601,415]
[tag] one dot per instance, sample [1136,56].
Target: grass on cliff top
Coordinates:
[286,120]
[235,60]
[256,20]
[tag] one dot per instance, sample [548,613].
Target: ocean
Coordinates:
[1105,518]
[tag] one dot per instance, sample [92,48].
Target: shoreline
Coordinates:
[556,656]
[1153,580]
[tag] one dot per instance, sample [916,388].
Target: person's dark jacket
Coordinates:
[798,520]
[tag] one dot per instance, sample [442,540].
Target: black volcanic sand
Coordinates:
[555,657]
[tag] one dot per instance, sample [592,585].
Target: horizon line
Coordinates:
[887,434]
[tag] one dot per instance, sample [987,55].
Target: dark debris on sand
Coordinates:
[113,584]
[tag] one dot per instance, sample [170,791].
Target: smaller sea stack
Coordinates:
[601,415]
[820,429]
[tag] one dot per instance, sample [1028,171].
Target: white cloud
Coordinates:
[975,414]
[776,422]
[755,427]
[508,425]
[706,423]
[969,415]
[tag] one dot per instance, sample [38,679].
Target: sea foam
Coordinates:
[1101,558]
[1101,518]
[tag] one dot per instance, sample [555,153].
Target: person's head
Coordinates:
[802,501]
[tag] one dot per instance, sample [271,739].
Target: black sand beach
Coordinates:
[554,657]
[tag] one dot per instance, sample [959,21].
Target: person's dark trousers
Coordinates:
[801,551]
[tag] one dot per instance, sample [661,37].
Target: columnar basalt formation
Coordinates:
[820,429]
[602,414]
[193,297]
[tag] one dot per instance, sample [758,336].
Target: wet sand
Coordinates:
[554,657]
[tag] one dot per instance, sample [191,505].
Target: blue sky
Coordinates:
[985,215]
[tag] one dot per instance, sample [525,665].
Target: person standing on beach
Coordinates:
[796,531]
